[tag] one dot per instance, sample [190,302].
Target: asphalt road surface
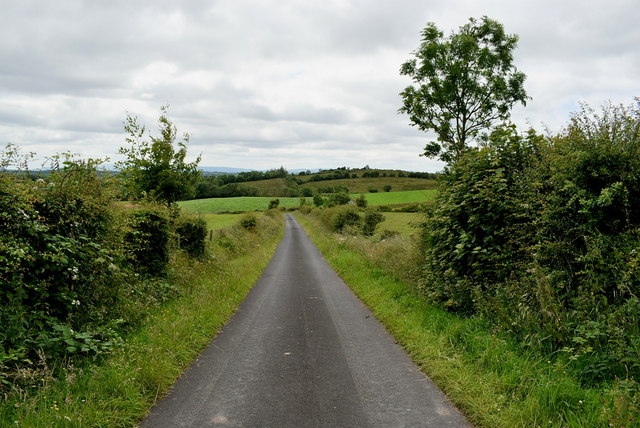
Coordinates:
[303,351]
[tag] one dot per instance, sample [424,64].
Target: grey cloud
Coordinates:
[257,82]
[299,113]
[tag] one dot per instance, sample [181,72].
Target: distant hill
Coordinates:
[222,169]
[219,170]
[282,183]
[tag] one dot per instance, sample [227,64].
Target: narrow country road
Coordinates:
[303,351]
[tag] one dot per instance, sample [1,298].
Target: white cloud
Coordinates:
[302,84]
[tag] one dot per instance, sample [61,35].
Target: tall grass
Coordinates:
[119,389]
[491,378]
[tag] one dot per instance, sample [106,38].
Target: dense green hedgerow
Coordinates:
[541,235]
[475,229]
[192,232]
[343,217]
[149,229]
[348,219]
[59,258]
[77,268]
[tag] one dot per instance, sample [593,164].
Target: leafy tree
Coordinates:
[344,217]
[274,203]
[340,198]
[11,156]
[463,84]
[156,168]
[370,222]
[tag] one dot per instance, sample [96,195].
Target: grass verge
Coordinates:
[492,379]
[118,390]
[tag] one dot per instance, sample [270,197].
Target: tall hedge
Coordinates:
[474,233]
[76,266]
[192,233]
[148,241]
[542,236]
[58,258]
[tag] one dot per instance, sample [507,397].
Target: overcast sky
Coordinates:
[293,83]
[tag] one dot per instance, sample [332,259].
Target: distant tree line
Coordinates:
[213,187]
[337,175]
[243,177]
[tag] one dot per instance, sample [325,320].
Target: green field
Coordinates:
[219,221]
[248,203]
[239,204]
[403,223]
[397,198]
[279,186]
